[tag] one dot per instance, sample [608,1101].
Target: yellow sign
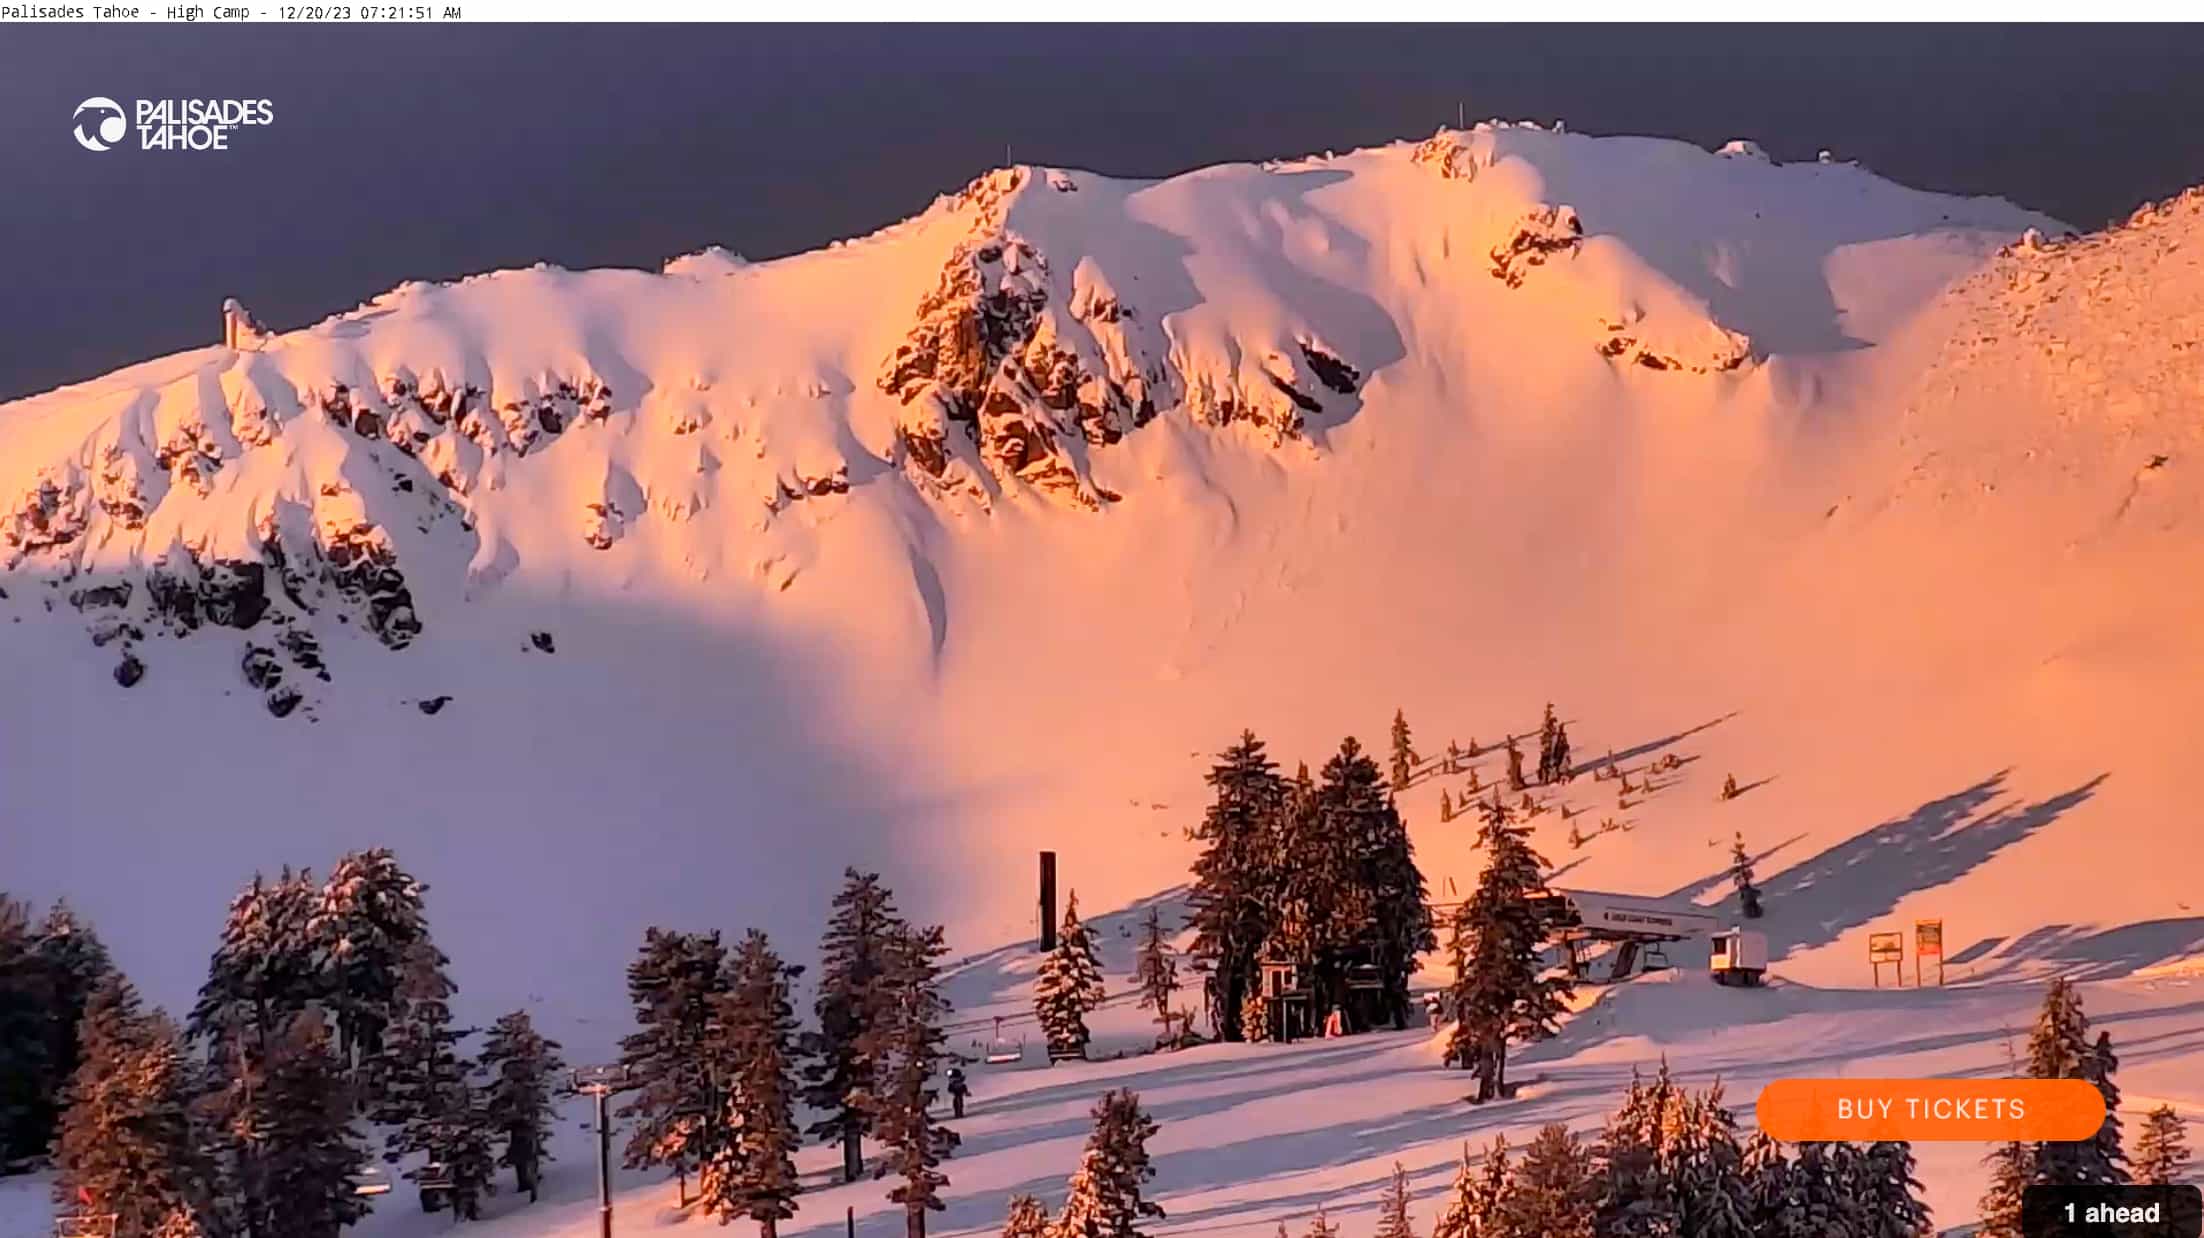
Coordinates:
[1886,947]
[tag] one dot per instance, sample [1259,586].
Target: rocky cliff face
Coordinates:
[715,416]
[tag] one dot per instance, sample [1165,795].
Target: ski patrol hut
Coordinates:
[1637,925]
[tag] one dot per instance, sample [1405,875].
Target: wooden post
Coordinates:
[1048,901]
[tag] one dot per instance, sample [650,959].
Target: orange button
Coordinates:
[1800,1110]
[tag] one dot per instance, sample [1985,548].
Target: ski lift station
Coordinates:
[1637,926]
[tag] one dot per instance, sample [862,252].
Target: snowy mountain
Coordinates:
[610,598]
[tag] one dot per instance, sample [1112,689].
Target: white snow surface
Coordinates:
[1905,537]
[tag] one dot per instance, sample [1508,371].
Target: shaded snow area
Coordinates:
[618,598]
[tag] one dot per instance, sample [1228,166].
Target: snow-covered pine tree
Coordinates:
[1562,769]
[1321,1225]
[1236,876]
[2099,1068]
[905,1044]
[753,1174]
[1404,752]
[2012,1167]
[367,921]
[1548,728]
[2060,1048]
[1729,786]
[1393,1220]
[2161,1149]
[1830,1181]
[1461,1214]
[675,1107]
[1713,1198]
[1106,1198]
[1633,1168]
[848,1004]
[1321,897]
[28,1073]
[1453,757]
[1777,1211]
[428,1100]
[522,1068]
[1890,1194]
[1446,806]
[1028,1218]
[1550,1195]
[1391,914]
[1516,781]
[77,965]
[306,1158]
[265,970]
[1748,893]
[1502,990]
[127,1144]
[1068,985]
[1155,971]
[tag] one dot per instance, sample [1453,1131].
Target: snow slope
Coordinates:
[977,535]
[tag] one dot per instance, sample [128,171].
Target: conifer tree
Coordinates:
[1235,879]
[1548,729]
[1386,911]
[1453,757]
[366,924]
[1321,1226]
[28,1072]
[850,1003]
[523,1067]
[1494,1187]
[1561,766]
[127,1145]
[76,965]
[1635,1176]
[1748,894]
[2012,1167]
[2161,1149]
[1393,1221]
[1501,989]
[1516,781]
[1550,1195]
[1462,1214]
[1889,1194]
[2060,1048]
[906,1046]
[2098,1068]
[1155,970]
[1068,985]
[676,1108]
[428,1099]
[1404,752]
[1028,1218]
[1322,900]
[264,971]
[1777,1211]
[1446,806]
[301,1159]
[753,1173]
[1106,1196]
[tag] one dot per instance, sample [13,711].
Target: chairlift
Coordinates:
[373,1181]
[1001,1050]
[85,1225]
[435,1181]
[1655,959]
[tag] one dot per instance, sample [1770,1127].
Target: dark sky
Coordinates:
[432,152]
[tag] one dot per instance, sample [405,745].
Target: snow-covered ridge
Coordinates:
[999,346]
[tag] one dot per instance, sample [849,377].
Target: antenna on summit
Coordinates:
[1461,114]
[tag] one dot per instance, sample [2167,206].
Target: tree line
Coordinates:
[326,1009]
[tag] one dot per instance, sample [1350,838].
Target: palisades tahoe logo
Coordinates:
[101,123]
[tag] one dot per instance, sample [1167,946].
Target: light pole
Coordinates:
[601,1082]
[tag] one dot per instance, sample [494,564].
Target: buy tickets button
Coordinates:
[1996,1110]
